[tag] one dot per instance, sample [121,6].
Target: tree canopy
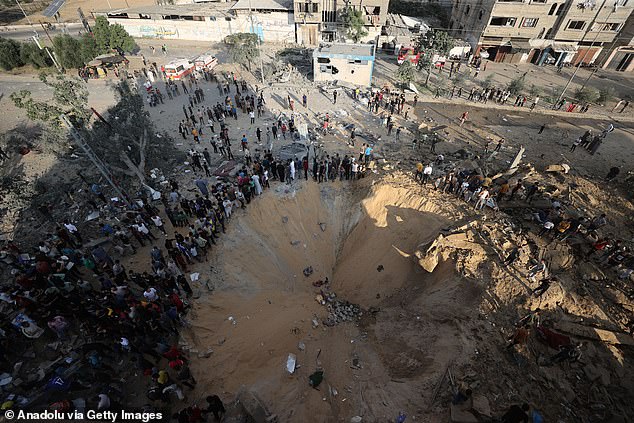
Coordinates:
[243,48]
[429,44]
[405,72]
[353,23]
[14,54]
[111,37]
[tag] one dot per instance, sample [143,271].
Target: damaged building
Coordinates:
[319,21]
[306,23]
[348,63]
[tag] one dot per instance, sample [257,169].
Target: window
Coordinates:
[621,2]
[552,9]
[357,62]
[610,26]
[144,16]
[308,7]
[466,11]
[328,69]
[538,1]
[323,60]
[560,9]
[576,25]
[480,15]
[541,33]
[511,1]
[502,21]
[329,16]
[530,22]
[212,18]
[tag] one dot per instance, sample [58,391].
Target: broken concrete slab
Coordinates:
[610,337]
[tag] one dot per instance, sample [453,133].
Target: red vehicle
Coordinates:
[407,53]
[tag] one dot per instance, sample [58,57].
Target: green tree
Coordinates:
[586,95]
[31,54]
[488,81]
[243,48]
[353,24]
[606,94]
[405,73]
[534,91]
[111,37]
[70,97]
[101,33]
[10,54]
[517,85]
[88,47]
[68,50]
[431,43]
[120,39]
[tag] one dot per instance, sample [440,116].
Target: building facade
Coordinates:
[540,31]
[272,20]
[318,21]
[348,63]
[620,55]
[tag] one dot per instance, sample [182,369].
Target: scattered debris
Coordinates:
[308,271]
[291,362]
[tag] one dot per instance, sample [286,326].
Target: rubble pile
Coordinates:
[340,311]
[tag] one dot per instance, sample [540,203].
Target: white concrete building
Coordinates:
[351,63]
[273,20]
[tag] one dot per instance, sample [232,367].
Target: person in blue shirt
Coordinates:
[368,152]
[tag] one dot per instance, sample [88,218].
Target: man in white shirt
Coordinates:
[150,294]
[427,174]
[159,224]
[72,229]
[482,199]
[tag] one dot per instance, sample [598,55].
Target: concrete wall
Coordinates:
[276,27]
[358,74]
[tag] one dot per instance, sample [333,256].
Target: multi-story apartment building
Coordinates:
[538,31]
[620,55]
[318,21]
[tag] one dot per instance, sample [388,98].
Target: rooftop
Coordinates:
[203,9]
[344,49]
[263,5]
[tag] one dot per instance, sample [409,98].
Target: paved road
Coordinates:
[24,32]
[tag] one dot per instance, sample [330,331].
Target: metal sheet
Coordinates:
[53,8]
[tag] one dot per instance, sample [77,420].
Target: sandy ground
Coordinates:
[414,323]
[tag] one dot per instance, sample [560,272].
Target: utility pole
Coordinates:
[99,164]
[259,51]
[587,50]
[46,32]
[36,39]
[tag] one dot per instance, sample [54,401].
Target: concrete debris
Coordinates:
[295,243]
[205,354]
[301,346]
[558,168]
[356,419]
[291,362]
[284,219]
[322,226]
[308,271]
